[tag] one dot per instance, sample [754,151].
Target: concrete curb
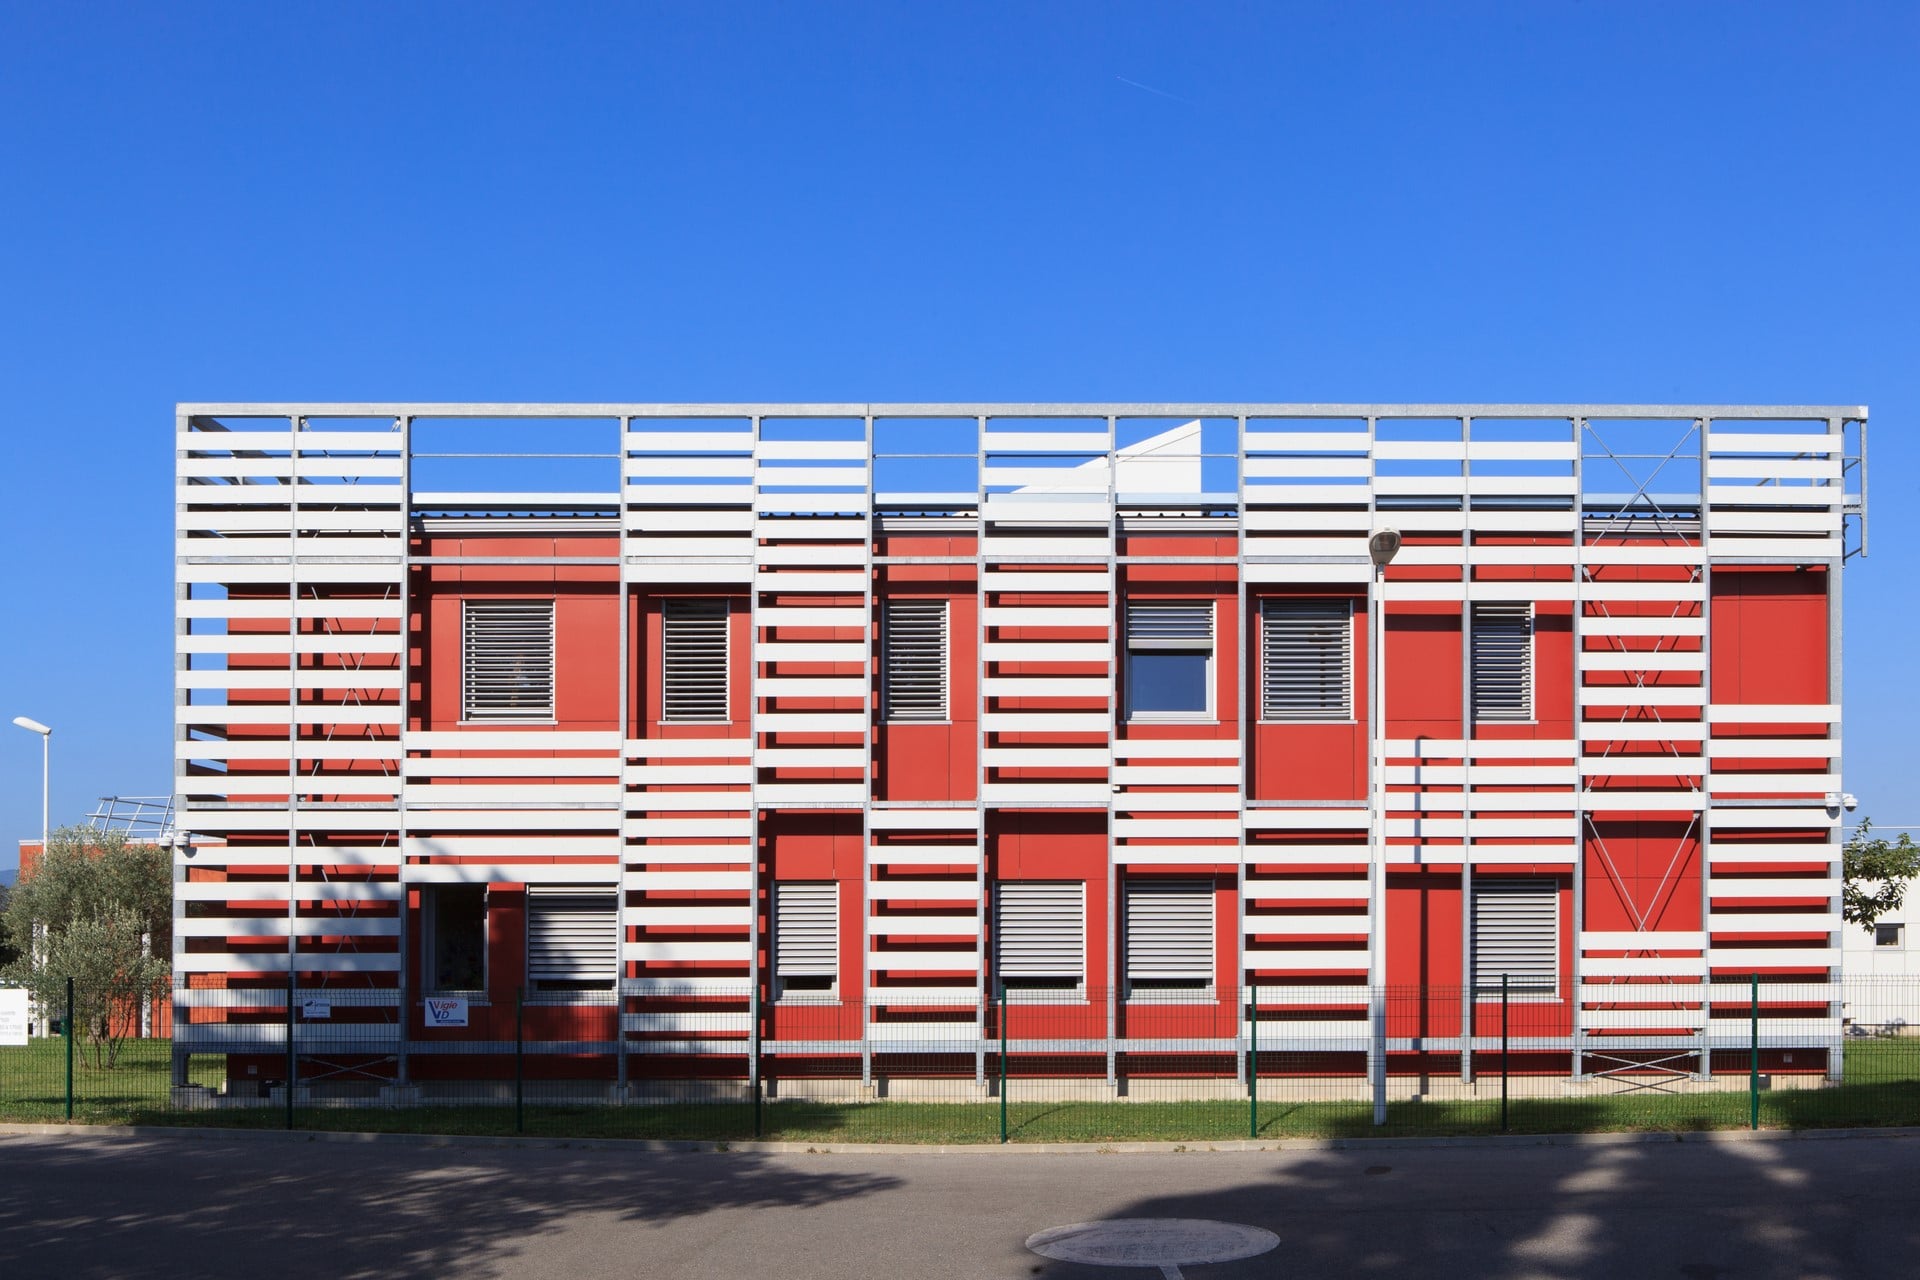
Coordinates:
[1479,1141]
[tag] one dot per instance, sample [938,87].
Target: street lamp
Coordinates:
[46,739]
[1382,547]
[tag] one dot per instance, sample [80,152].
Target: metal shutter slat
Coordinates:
[914,642]
[1516,931]
[694,660]
[1040,930]
[506,660]
[1502,660]
[571,936]
[806,930]
[1306,660]
[1169,931]
[1169,625]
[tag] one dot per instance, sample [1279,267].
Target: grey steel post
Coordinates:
[1505,1045]
[293,1058]
[1753,1066]
[1253,1061]
[69,1030]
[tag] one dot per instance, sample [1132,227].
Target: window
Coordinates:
[1516,931]
[456,937]
[1889,935]
[1039,935]
[1169,660]
[806,937]
[694,661]
[1503,660]
[572,938]
[506,660]
[1169,936]
[1306,660]
[913,639]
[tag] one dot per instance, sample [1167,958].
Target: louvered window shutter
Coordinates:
[506,660]
[1306,660]
[694,660]
[1503,661]
[914,640]
[1516,931]
[572,939]
[1039,933]
[806,931]
[1169,934]
[1182,625]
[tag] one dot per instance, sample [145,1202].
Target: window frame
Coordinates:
[473,610]
[1493,888]
[674,604]
[1899,930]
[1169,989]
[430,931]
[1529,649]
[1037,985]
[558,989]
[1135,648]
[1302,605]
[784,989]
[888,630]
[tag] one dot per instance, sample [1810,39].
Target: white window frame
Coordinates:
[605,977]
[483,657]
[1061,975]
[1146,643]
[905,623]
[430,939]
[1501,903]
[1496,620]
[1280,613]
[1897,933]
[697,606]
[797,978]
[1167,906]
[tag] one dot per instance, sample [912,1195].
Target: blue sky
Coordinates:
[1530,202]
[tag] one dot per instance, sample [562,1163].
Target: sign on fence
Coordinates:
[446,1011]
[13,1016]
[312,1010]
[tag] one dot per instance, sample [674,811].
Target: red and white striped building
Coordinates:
[873,710]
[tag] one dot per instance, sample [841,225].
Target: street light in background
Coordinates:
[1382,547]
[46,740]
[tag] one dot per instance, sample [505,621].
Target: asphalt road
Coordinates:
[81,1206]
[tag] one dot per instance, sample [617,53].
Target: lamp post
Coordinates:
[46,739]
[1382,547]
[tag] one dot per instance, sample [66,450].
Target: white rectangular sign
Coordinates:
[314,1010]
[13,1016]
[446,1011]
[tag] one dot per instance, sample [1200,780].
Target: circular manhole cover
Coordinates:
[1166,1243]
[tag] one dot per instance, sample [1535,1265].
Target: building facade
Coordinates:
[811,730]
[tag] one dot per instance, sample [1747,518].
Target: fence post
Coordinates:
[519,1060]
[69,1029]
[1505,1030]
[1003,1062]
[293,1062]
[1253,1063]
[1753,1065]
[757,1066]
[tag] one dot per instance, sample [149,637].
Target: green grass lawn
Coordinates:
[1882,1088]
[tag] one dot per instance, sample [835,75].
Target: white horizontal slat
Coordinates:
[280,927]
[644,952]
[686,748]
[1044,442]
[1174,801]
[810,651]
[1176,748]
[690,881]
[1257,469]
[1178,775]
[1809,887]
[1289,518]
[1357,571]
[1045,721]
[1638,695]
[924,855]
[811,687]
[1642,660]
[1295,890]
[1136,852]
[1609,625]
[1045,757]
[1152,829]
[1644,966]
[709,775]
[1641,766]
[1719,713]
[1351,924]
[817,616]
[1770,442]
[1806,817]
[923,889]
[778,793]
[1091,616]
[918,819]
[1047,687]
[1777,548]
[1316,818]
[1721,468]
[1024,579]
[596,873]
[1352,961]
[1765,495]
[1031,792]
[695,828]
[967,926]
[738,915]
[1793,783]
[836,582]
[1003,546]
[1304,441]
[818,757]
[1774,922]
[809,721]
[1047,651]
[1742,958]
[1642,940]
[1822,851]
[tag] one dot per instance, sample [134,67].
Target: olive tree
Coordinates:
[96,908]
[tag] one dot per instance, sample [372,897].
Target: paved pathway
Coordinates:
[94,1206]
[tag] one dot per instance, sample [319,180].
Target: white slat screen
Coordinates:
[694,660]
[914,642]
[1169,935]
[1503,660]
[506,660]
[806,934]
[1040,933]
[572,940]
[1306,660]
[1516,931]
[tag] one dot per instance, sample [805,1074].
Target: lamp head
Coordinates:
[1383,546]
[26,723]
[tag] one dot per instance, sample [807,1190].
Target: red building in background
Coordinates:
[807,730]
